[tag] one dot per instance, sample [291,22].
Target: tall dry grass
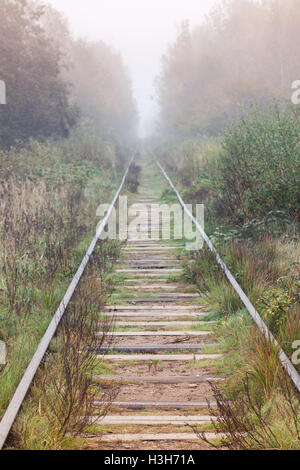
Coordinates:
[48,201]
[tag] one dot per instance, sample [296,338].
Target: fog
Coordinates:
[141,30]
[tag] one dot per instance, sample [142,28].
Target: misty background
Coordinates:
[133,69]
[141,31]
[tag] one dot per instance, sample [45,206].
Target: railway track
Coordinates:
[162,348]
[158,350]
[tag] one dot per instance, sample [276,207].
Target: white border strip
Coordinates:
[22,389]
[287,364]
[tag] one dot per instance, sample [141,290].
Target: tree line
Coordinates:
[245,51]
[53,81]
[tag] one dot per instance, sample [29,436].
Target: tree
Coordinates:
[100,82]
[102,89]
[38,102]
[244,52]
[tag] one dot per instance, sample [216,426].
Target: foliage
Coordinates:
[60,404]
[278,303]
[38,102]
[249,424]
[244,51]
[229,140]
[101,86]
[249,178]
[257,406]
[53,79]
[48,207]
[259,166]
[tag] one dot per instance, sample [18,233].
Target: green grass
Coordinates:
[50,205]
[103,368]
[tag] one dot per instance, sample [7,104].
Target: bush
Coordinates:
[246,423]
[278,303]
[259,165]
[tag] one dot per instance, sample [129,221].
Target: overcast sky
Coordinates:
[141,30]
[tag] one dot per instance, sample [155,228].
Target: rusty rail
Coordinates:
[286,363]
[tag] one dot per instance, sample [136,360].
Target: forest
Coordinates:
[244,53]
[53,81]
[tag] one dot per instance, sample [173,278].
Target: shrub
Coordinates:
[249,424]
[260,163]
[278,303]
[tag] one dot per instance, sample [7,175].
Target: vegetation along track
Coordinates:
[163,349]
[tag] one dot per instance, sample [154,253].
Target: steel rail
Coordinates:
[287,364]
[22,389]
